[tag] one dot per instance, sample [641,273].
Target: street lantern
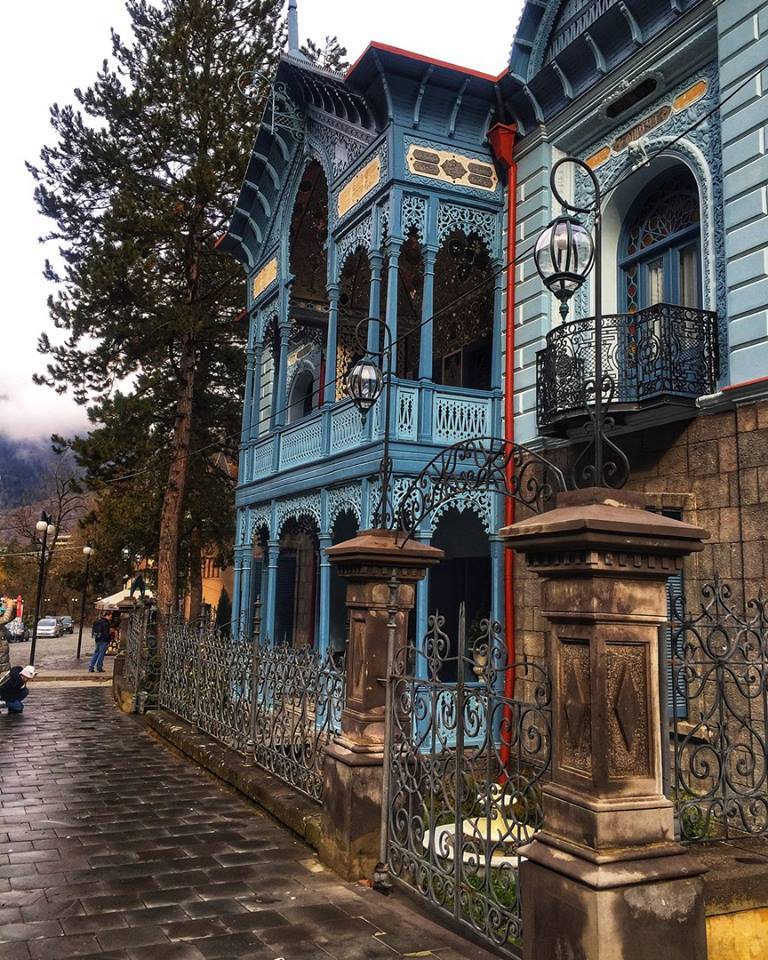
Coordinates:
[45,529]
[125,553]
[365,381]
[564,255]
[87,553]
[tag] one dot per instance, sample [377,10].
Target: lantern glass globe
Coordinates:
[564,255]
[364,384]
[51,529]
[41,526]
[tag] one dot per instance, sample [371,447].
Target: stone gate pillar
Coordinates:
[351,822]
[604,878]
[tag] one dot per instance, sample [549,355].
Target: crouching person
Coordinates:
[13,687]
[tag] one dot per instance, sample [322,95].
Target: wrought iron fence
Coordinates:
[662,350]
[718,696]
[298,697]
[206,680]
[142,667]
[465,763]
[278,704]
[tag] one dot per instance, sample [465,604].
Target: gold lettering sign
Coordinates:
[640,129]
[691,95]
[451,167]
[265,276]
[362,183]
[599,158]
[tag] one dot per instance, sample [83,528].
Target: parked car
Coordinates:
[48,627]
[16,632]
[67,624]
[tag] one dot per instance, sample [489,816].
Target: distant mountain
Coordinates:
[23,465]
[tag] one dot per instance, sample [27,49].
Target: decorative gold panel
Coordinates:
[451,167]
[265,276]
[361,184]
[691,95]
[599,158]
[640,129]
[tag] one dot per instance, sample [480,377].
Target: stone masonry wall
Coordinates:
[714,469]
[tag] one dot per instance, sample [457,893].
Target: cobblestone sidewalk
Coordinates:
[111,846]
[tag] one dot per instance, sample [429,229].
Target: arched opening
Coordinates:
[463,330]
[354,297]
[629,204]
[301,399]
[409,298]
[256,583]
[308,309]
[661,245]
[297,588]
[460,585]
[269,360]
[308,239]
[345,528]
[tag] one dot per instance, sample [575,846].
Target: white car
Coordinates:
[48,627]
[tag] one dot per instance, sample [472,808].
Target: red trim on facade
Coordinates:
[502,139]
[241,315]
[745,383]
[219,240]
[388,48]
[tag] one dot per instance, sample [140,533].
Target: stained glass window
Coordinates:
[672,207]
[660,256]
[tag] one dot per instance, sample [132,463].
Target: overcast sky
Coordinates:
[48,47]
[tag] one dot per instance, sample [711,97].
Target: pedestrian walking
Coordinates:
[13,688]
[101,637]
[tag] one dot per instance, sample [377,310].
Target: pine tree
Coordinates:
[139,183]
[331,56]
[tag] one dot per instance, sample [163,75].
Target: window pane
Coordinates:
[656,281]
[690,295]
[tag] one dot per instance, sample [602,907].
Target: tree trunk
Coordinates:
[173,499]
[195,575]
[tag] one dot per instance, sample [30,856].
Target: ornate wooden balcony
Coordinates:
[663,355]
[424,414]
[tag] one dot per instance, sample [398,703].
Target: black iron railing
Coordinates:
[664,351]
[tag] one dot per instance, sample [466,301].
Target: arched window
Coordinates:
[302,395]
[463,310]
[661,260]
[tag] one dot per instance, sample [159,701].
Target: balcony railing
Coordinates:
[454,414]
[663,354]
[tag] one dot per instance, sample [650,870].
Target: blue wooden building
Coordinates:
[371,195]
[380,194]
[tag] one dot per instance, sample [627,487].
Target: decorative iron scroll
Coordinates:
[479,464]
[466,762]
[141,670]
[298,697]
[664,349]
[206,680]
[718,673]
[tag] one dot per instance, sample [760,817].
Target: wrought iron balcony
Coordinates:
[664,354]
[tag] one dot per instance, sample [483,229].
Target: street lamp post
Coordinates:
[564,254]
[87,552]
[365,383]
[45,529]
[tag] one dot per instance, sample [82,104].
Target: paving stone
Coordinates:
[113,848]
[60,947]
